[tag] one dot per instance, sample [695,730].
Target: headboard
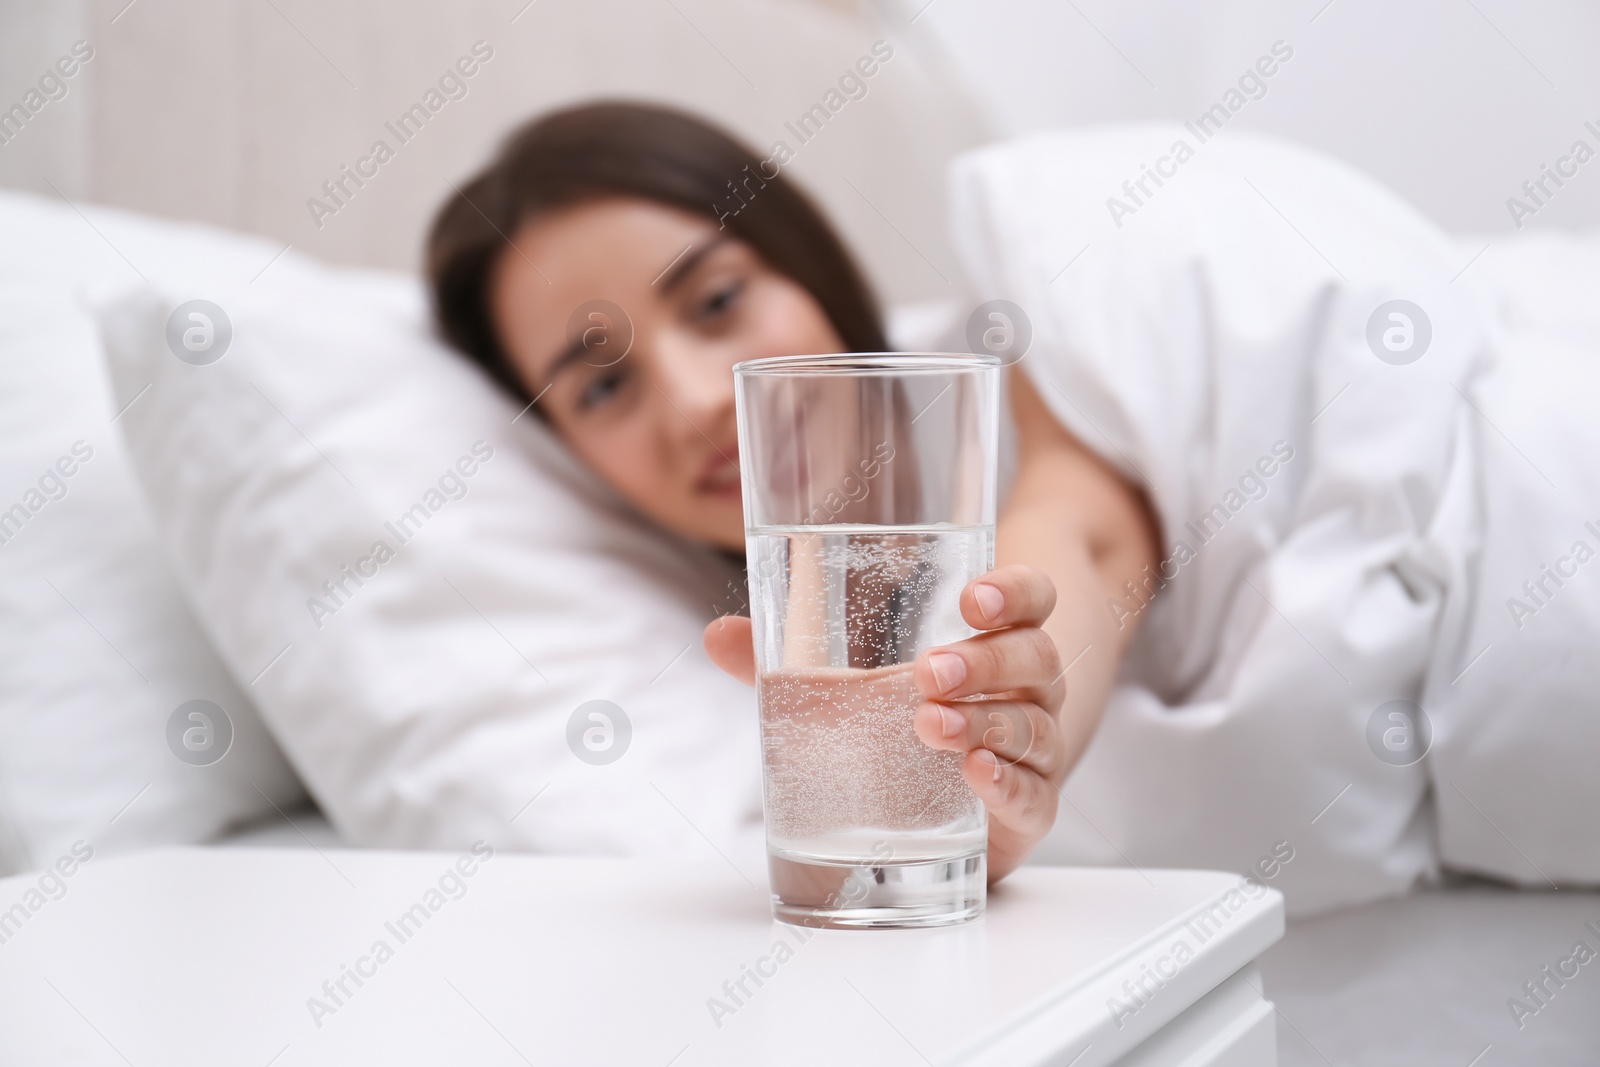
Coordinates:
[250,114]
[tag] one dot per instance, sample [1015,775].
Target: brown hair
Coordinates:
[639,150]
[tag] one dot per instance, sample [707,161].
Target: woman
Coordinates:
[618,203]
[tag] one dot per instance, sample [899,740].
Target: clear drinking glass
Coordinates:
[869,502]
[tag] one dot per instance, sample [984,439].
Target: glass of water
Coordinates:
[869,503]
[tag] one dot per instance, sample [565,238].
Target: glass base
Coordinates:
[807,892]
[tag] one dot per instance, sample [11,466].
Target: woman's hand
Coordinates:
[996,697]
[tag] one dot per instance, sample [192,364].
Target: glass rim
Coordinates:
[867,363]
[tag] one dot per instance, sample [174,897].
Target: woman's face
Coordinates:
[656,421]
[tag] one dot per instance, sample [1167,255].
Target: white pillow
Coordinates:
[443,695]
[98,650]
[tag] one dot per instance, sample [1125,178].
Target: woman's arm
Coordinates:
[1072,516]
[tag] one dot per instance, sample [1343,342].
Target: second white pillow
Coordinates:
[428,588]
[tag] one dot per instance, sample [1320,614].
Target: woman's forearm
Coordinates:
[1072,516]
[1085,634]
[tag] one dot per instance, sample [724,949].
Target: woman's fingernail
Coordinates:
[991,601]
[990,758]
[949,670]
[952,722]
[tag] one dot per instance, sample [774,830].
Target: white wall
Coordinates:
[1454,103]
[236,112]
[53,146]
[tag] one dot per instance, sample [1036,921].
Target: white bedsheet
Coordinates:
[1428,981]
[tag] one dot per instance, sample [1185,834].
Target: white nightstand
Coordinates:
[258,957]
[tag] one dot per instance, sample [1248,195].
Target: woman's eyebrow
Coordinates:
[690,258]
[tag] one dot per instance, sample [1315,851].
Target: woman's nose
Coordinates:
[696,381]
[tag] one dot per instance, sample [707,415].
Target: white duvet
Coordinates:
[1351,504]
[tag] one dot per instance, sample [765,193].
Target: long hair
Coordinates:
[638,150]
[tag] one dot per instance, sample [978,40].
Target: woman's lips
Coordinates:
[720,476]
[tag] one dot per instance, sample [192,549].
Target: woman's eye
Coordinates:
[721,301]
[600,390]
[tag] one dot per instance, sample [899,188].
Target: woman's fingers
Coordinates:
[729,643]
[1013,656]
[1016,731]
[1018,595]
[1021,802]
[1022,660]
[1015,596]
